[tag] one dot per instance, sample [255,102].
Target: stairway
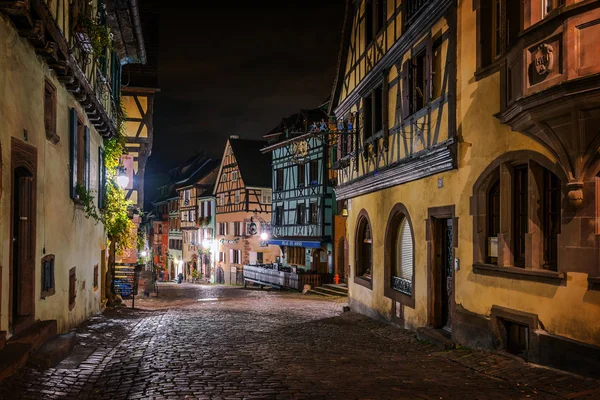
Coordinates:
[18,348]
[330,290]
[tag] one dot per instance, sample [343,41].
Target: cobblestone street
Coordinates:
[220,342]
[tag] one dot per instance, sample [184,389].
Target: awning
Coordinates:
[295,243]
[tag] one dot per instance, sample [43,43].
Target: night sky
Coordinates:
[237,69]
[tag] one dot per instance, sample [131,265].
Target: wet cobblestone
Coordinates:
[251,344]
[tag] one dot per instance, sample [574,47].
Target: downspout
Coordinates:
[137,27]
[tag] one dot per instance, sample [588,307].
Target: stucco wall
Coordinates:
[569,310]
[61,226]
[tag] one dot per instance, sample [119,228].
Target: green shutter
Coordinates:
[86,143]
[73,152]
[101,178]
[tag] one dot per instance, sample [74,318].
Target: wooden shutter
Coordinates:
[73,152]
[405,89]
[86,142]
[101,178]
[385,111]
[429,70]
[406,250]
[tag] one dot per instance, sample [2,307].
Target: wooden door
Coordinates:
[23,251]
[444,256]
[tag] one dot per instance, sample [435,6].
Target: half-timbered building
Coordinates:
[201,180]
[303,198]
[60,97]
[243,194]
[471,184]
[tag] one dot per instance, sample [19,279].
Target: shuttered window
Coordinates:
[48,288]
[404,251]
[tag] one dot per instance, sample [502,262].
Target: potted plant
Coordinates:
[194,276]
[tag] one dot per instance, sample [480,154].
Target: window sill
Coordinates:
[47,293]
[535,275]
[594,283]
[400,297]
[489,69]
[368,283]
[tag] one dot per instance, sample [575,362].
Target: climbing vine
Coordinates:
[98,35]
[87,201]
[119,226]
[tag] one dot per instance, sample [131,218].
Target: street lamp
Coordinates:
[264,236]
[144,253]
[122,178]
[206,243]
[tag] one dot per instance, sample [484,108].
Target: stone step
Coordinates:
[19,347]
[329,292]
[341,288]
[53,351]
[437,337]
[313,291]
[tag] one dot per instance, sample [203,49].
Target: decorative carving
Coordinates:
[575,194]
[543,59]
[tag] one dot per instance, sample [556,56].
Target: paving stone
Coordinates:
[252,344]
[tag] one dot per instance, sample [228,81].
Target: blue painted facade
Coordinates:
[303,197]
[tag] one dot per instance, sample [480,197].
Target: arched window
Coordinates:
[399,257]
[493,214]
[517,213]
[364,251]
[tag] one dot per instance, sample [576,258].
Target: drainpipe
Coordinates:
[137,27]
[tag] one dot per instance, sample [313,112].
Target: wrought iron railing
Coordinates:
[402,285]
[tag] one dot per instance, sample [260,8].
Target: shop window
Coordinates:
[48,288]
[296,255]
[364,249]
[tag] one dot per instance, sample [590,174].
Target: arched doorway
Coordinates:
[22,282]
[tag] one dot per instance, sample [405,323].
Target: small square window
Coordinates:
[48,288]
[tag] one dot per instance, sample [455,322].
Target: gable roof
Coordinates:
[254,166]
[342,56]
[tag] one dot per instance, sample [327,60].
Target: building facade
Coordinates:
[303,200]
[471,207]
[199,182]
[160,239]
[243,194]
[62,104]
[207,208]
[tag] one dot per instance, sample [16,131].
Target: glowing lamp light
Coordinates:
[144,253]
[264,236]
[122,178]
[206,243]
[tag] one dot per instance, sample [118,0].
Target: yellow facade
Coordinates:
[62,228]
[466,121]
